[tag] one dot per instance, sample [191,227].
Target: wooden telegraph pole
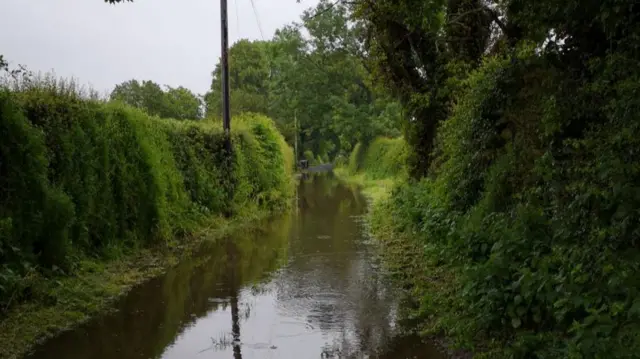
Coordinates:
[295,132]
[226,113]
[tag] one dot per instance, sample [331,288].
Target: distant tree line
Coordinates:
[171,102]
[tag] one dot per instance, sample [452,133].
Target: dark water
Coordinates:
[307,285]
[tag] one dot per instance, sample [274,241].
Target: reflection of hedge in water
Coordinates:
[152,316]
[80,177]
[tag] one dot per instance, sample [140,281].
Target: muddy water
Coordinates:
[306,285]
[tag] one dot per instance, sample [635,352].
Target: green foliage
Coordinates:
[382,158]
[526,186]
[314,85]
[533,199]
[355,158]
[177,103]
[309,156]
[79,177]
[385,157]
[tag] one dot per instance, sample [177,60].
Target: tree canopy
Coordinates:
[178,103]
[318,78]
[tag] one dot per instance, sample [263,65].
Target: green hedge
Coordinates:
[382,158]
[532,203]
[81,177]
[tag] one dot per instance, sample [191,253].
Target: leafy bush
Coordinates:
[355,158]
[309,156]
[81,177]
[533,199]
[382,158]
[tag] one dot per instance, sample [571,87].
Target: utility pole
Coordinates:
[295,155]
[295,131]
[226,113]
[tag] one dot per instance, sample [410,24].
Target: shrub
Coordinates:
[309,156]
[382,158]
[355,158]
[533,198]
[81,177]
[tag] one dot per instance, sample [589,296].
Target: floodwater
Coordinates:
[305,285]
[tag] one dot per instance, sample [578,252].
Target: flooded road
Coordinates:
[306,285]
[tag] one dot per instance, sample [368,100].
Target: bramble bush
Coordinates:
[81,177]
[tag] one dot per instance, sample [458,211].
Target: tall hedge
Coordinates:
[532,203]
[81,177]
[382,158]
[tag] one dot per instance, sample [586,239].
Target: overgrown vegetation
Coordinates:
[310,78]
[525,191]
[81,178]
[519,200]
[382,158]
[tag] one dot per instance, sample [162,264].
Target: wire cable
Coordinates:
[237,20]
[255,12]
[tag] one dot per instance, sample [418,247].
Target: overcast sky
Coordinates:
[173,42]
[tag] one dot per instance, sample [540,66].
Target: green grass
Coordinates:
[374,189]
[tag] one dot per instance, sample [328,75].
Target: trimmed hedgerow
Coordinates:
[80,177]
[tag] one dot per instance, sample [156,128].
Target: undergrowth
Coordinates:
[525,232]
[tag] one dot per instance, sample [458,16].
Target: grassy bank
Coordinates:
[375,167]
[96,196]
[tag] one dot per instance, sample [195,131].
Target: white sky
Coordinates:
[173,42]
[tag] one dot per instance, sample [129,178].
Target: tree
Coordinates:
[416,48]
[178,103]
[248,79]
[321,79]
[183,104]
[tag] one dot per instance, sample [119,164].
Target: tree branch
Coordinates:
[496,18]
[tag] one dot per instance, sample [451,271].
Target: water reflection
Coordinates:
[303,286]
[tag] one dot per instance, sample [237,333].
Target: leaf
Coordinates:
[518,299]
[516,322]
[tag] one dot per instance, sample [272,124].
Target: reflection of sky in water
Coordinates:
[304,284]
[295,315]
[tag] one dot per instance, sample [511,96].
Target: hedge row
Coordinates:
[87,178]
[532,206]
[382,158]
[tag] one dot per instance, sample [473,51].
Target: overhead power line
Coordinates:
[237,19]
[255,12]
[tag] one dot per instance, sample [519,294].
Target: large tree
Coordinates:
[320,79]
[416,48]
[179,103]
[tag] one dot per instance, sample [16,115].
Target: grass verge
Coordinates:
[375,190]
